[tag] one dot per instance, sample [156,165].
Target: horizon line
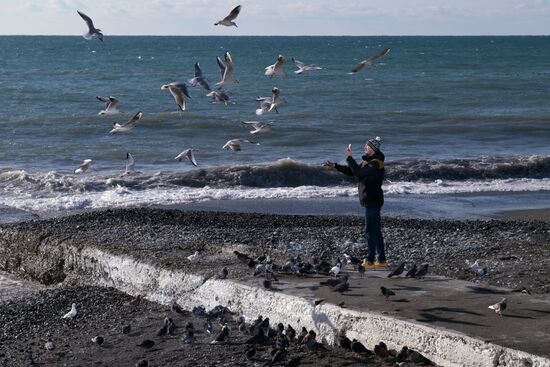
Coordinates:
[284,35]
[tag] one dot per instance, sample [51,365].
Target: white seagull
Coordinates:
[368,62]
[111,104]
[228,21]
[277,68]
[235,144]
[71,314]
[302,68]
[188,153]
[179,92]
[199,79]
[219,95]
[259,128]
[92,31]
[269,104]
[117,128]
[193,257]
[130,162]
[226,71]
[84,167]
[335,269]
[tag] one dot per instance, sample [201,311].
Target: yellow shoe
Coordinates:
[368,265]
[380,265]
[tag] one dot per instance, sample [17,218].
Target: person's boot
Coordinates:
[380,264]
[368,265]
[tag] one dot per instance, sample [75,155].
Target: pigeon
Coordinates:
[171,326]
[499,306]
[361,269]
[386,292]
[422,271]
[412,271]
[188,154]
[92,31]
[135,301]
[269,104]
[194,257]
[350,259]
[397,271]
[343,341]
[381,350]
[208,326]
[98,340]
[72,313]
[477,268]
[84,167]
[277,68]
[335,270]
[222,274]
[146,344]
[127,126]
[235,144]
[130,162]
[277,357]
[259,128]
[163,330]
[369,61]
[302,68]
[126,329]
[111,104]
[302,335]
[318,302]
[222,335]
[28,359]
[49,345]
[176,308]
[199,79]
[226,71]
[189,336]
[241,256]
[340,287]
[357,347]
[179,92]
[228,21]
[335,281]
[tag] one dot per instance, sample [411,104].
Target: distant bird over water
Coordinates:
[188,154]
[235,144]
[199,79]
[111,104]
[369,61]
[228,21]
[84,167]
[302,67]
[277,68]
[117,128]
[92,31]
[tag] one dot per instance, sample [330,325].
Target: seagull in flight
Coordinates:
[369,61]
[259,128]
[117,128]
[111,104]
[235,144]
[277,68]
[179,91]
[226,71]
[228,21]
[302,68]
[84,167]
[268,104]
[219,95]
[188,153]
[92,31]
[130,162]
[199,79]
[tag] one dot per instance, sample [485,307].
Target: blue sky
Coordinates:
[279,17]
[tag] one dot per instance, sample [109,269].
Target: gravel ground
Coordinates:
[29,323]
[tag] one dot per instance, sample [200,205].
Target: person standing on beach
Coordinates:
[370,174]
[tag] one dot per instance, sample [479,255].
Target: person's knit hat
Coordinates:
[375,143]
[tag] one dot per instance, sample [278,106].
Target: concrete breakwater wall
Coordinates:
[50,258]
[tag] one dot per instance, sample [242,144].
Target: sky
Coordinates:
[279,17]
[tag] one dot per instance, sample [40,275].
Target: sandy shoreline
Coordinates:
[530,214]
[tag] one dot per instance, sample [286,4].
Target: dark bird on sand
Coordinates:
[294,362]
[146,344]
[381,350]
[242,257]
[142,363]
[387,292]
[126,329]
[163,330]
[499,306]
[318,302]
[302,335]
[249,354]
[176,308]
[222,274]
[358,347]
[335,281]
[208,326]
[49,345]
[412,271]
[189,335]
[341,287]
[222,335]
[266,283]
[290,332]
[277,357]
[361,269]
[136,300]
[397,271]
[422,271]
[342,304]
[343,341]
[98,339]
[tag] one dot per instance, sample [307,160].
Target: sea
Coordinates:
[459,117]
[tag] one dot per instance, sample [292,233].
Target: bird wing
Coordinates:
[198,71]
[88,20]
[129,162]
[359,66]
[221,65]
[298,63]
[228,67]
[179,91]
[191,157]
[234,13]
[132,122]
[378,55]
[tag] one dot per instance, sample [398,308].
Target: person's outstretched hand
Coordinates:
[329,164]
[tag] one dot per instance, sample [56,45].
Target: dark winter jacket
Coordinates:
[370,174]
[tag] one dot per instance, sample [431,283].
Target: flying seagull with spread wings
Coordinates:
[369,61]
[179,92]
[118,128]
[228,21]
[92,31]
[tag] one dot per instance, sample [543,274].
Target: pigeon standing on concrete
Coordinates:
[412,271]
[397,271]
[387,292]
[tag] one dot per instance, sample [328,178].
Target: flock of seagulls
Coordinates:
[218,92]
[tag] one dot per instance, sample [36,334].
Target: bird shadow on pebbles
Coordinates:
[430,318]
[482,290]
[449,309]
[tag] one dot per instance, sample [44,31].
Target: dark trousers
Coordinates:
[373,234]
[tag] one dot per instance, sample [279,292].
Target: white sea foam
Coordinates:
[119,196]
